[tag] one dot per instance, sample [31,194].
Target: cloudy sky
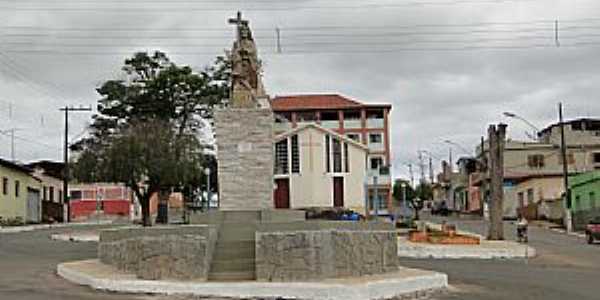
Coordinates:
[448,67]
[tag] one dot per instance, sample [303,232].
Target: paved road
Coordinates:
[566,268]
[27,268]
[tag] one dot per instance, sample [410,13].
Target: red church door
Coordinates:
[281,195]
[338,191]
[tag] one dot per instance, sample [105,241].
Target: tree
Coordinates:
[159,106]
[150,157]
[414,197]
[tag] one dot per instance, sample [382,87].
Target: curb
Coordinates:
[350,289]
[17,229]
[75,238]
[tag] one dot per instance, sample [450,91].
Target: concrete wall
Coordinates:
[153,253]
[245,158]
[313,187]
[316,255]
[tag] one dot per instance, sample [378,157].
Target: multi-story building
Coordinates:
[533,170]
[364,123]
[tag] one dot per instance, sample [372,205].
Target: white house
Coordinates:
[317,167]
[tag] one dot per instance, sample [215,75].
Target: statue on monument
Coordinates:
[247,87]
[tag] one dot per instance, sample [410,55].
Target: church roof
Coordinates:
[323,130]
[317,102]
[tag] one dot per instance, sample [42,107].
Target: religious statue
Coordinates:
[247,88]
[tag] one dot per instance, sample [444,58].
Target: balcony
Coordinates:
[330,124]
[375,123]
[352,124]
[379,147]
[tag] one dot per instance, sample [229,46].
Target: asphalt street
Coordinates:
[566,268]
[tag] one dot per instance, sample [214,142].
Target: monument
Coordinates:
[244,131]
[248,249]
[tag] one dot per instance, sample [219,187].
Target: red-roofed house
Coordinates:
[365,123]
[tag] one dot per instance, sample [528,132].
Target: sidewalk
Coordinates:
[16,229]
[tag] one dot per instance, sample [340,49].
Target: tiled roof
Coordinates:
[325,101]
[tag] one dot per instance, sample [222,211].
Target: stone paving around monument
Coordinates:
[405,282]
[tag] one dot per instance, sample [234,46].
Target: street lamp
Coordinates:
[208,195]
[459,146]
[536,130]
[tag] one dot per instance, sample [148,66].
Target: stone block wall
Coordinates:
[245,158]
[316,255]
[165,253]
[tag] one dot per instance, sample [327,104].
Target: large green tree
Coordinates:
[414,197]
[146,132]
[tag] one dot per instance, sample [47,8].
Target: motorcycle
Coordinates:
[522,233]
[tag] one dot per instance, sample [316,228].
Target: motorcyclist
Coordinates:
[522,225]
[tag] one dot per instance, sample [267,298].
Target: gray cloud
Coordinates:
[436,94]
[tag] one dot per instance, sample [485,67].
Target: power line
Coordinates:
[158,9]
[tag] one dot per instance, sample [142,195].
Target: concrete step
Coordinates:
[235,250]
[241,216]
[232,276]
[232,265]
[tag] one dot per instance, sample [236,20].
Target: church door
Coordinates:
[281,195]
[338,191]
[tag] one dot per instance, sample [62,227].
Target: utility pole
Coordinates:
[450,159]
[497,137]
[67,109]
[412,175]
[431,179]
[11,131]
[563,148]
[421,167]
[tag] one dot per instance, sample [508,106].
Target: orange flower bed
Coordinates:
[442,238]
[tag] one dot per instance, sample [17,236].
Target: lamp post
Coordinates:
[536,130]
[459,146]
[208,194]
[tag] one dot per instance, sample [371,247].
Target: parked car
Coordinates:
[440,209]
[592,230]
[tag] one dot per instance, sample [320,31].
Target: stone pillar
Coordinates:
[245,158]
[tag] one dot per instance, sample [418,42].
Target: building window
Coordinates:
[354,136]
[530,196]
[17,188]
[337,156]
[375,138]
[592,200]
[281,157]
[376,163]
[45,193]
[570,159]
[51,190]
[76,195]
[60,196]
[329,116]
[5,186]
[535,161]
[346,158]
[351,115]
[295,155]
[521,197]
[596,158]
[327,155]
[375,114]
[306,117]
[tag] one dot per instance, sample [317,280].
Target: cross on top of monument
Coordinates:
[238,20]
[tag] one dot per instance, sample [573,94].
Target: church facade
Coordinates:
[317,167]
